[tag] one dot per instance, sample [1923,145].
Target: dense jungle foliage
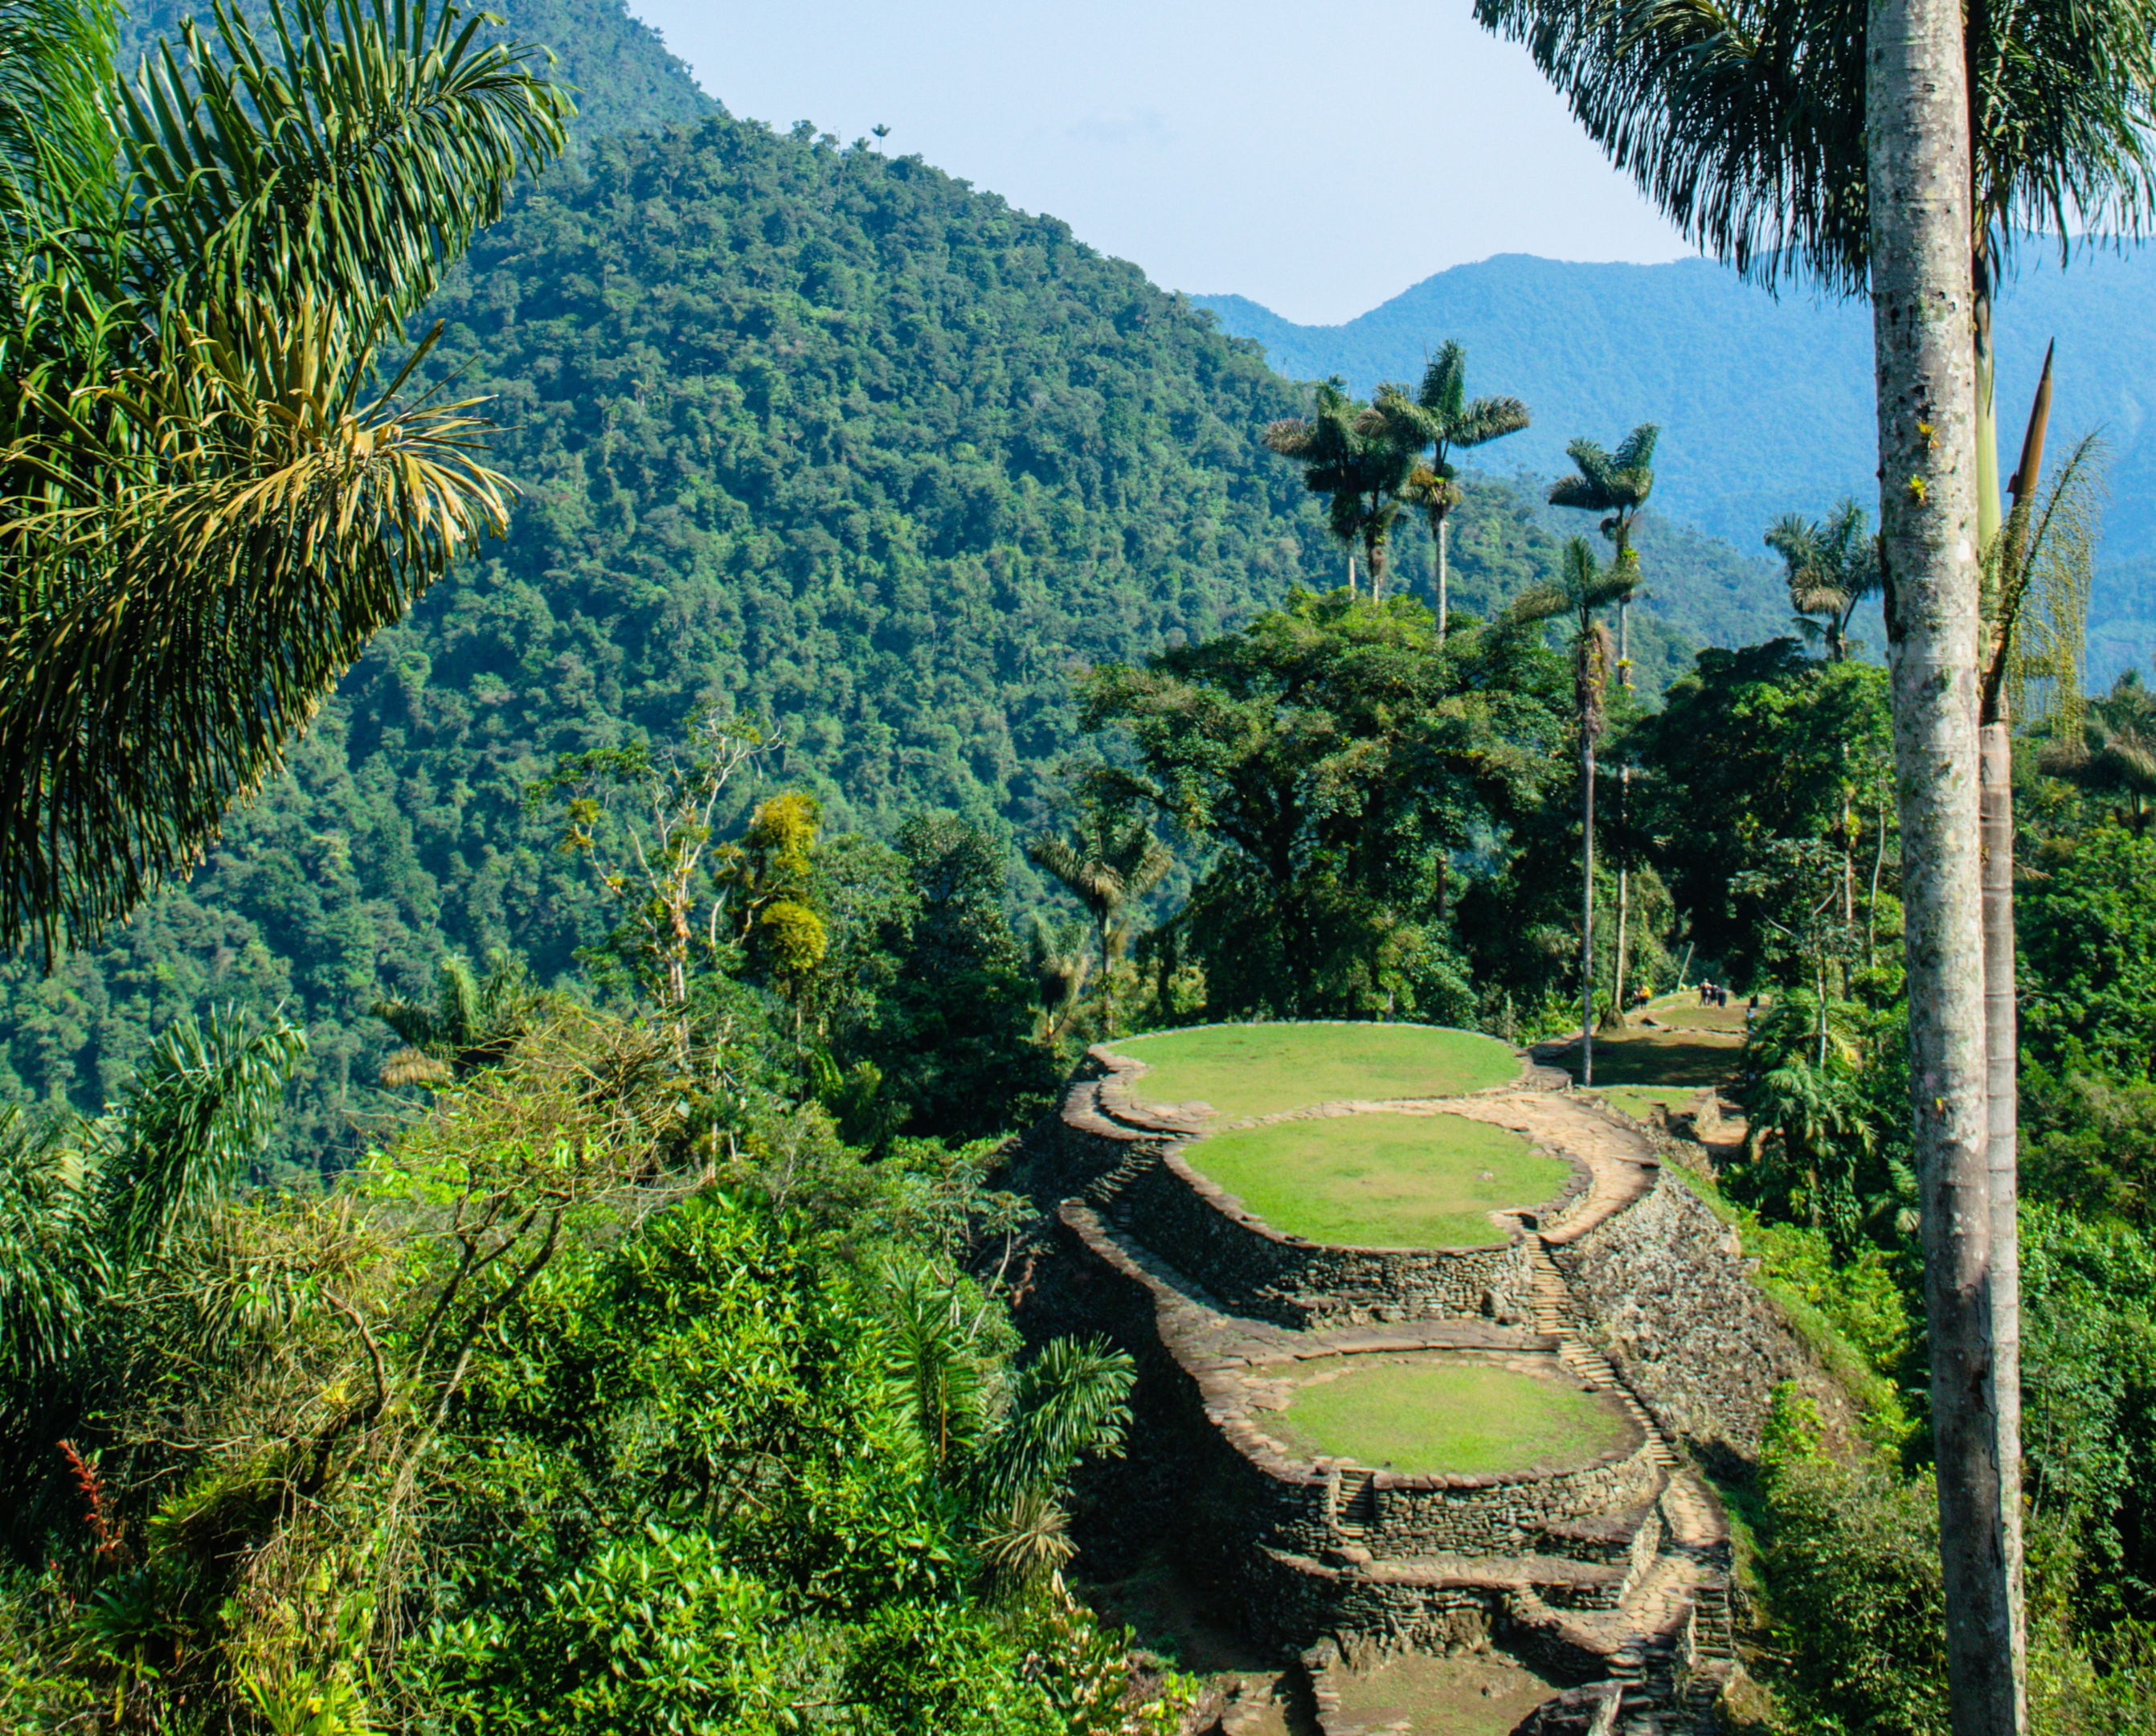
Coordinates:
[835,437]
[519,1241]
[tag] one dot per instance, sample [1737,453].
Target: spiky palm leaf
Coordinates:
[209,509]
[168,637]
[1072,1401]
[81,1202]
[353,162]
[1745,123]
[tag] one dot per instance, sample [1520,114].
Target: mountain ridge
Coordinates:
[1765,403]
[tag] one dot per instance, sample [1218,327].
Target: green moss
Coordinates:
[1382,1181]
[1419,1416]
[1249,1070]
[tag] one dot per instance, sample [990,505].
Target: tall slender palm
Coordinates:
[1616,484]
[212,500]
[1917,186]
[1581,590]
[1441,417]
[1748,126]
[1106,861]
[1354,453]
[1832,566]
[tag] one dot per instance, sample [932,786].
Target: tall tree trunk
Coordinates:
[2001,1043]
[1586,906]
[1624,887]
[1351,573]
[1625,642]
[1444,522]
[1917,110]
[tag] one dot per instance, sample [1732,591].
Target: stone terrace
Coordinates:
[1613,1570]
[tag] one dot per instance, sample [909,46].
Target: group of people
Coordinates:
[1713,994]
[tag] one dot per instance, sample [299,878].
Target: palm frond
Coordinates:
[172,631]
[198,1112]
[1072,1401]
[1744,123]
[1487,419]
[354,157]
[53,1264]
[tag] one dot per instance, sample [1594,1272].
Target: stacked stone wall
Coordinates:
[1668,1289]
[1253,1269]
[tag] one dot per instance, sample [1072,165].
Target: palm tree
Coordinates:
[473,1023]
[1757,130]
[1582,590]
[1917,183]
[1441,417]
[1353,453]
[1617,485]
[1108,860]
[1832,566]
[2114,754]
[213,500]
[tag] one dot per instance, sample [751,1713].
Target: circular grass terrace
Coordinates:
[1382,1181]
[1245,1071]
[1432,1414]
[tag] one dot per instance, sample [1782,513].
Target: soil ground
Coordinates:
[1672,1043]
[1419,1414]
[1251,1069]
[1382,1181]
[1481,1693]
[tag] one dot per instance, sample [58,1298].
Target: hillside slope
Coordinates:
[1766,405]
[834,437]
[625,80]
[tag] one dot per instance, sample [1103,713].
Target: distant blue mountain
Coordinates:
[1765,404]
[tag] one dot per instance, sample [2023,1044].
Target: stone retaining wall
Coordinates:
[1667,1287]
[1501,1515]
[1252,1497]
[1255,1269]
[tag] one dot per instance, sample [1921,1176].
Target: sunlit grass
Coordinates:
[1469,1418]
[1247,1070]
[1382,1181]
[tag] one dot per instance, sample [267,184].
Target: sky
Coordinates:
[1318,159]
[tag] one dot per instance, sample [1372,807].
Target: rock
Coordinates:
[1589,1711]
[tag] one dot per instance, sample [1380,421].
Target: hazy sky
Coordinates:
[1316,158]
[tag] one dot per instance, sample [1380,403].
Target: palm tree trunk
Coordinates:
[1625,642]
[1586,906]
[2001,1045]
[1624,891]
[1916,110]
[1444,523]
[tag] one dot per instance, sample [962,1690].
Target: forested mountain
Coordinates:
[625,79]
[833,437]
[830,436]
[1765,403]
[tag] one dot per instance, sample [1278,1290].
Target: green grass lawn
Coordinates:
[1640,1104]
[1420,1415]
[1381,1181]
[1246,1069]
